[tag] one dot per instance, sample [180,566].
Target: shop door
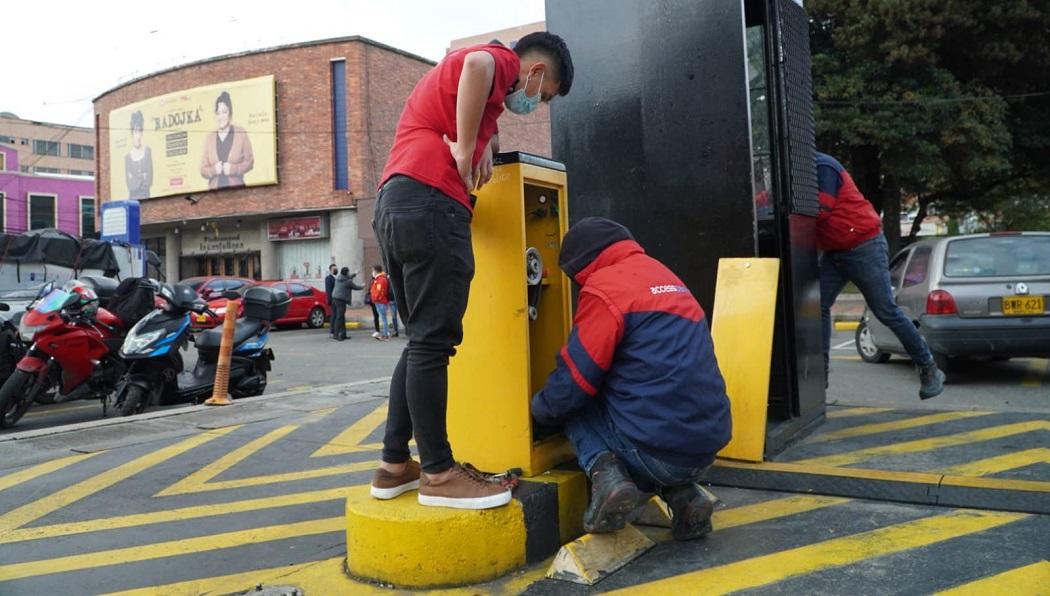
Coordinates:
[305,260]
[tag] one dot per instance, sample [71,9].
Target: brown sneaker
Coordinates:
[463,489]
[387,486]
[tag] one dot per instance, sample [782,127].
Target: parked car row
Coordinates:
[309,305]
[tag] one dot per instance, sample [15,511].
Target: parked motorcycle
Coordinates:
[153,347]
[12,349]
[74,351]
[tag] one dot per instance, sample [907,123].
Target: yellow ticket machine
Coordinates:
[518,317]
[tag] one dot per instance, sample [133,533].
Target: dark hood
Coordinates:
[586,240]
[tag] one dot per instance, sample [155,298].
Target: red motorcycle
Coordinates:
[74,350]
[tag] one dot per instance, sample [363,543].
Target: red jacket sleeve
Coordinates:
[584,360]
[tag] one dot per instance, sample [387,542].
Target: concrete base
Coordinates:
[404,544]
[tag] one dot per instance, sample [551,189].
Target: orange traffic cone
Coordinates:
[220,394]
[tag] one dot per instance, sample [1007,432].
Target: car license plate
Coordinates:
[1023,305]
[202,318]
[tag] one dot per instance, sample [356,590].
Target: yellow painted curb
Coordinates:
[412,546]
[846,325]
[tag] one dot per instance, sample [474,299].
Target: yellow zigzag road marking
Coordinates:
[882,427]
[327,576]
[41,469]
[200,481]
[349,441]
[1001,463]
[171,548]
[1031,579]
[838,552]
[862,411]
[33,511]
[172,515]
[974,436]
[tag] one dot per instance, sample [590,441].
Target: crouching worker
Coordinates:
[636,388]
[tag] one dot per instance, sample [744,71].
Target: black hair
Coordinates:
[333,265]
[554,47]
[377,268]
[137,121]
[344,271]
[224,97]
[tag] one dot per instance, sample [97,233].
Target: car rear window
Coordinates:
[997,256]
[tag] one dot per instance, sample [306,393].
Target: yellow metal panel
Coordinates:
[742,330]
[505,357]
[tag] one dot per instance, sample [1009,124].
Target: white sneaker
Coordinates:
[375,334]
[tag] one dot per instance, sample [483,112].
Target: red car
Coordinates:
[210,288]
[309,305]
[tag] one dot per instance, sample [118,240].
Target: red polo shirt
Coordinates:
[419,151]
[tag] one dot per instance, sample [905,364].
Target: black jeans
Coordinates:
[339,318]
[424,239]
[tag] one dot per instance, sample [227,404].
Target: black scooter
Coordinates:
[153,350]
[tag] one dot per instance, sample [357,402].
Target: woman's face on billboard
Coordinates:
[136,137]
[222,115]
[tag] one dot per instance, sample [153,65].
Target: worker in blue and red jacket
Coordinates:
[849,233]
[636,387]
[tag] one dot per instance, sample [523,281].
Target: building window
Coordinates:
[7,139]
[341,176]
[42,211]
[3,212]
[3,162]
[81,151]
[87,216]
[81,173]
[45,147]
[43,170]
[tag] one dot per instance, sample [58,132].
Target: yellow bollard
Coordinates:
[220,393]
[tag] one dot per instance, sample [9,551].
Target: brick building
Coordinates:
[326,179]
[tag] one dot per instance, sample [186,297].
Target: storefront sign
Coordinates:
[211,242]
[297,228]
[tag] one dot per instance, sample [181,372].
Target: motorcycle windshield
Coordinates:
[52,301]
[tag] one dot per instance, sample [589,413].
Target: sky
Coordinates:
[60,54]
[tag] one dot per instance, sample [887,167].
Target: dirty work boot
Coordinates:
[690,511]
[614,497]
[932,380]
[462,489]
[387,486]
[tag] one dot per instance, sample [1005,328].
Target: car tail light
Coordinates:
[940,302]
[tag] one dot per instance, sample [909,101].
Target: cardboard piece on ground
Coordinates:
[593,557]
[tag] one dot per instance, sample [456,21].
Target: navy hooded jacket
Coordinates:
[640,342]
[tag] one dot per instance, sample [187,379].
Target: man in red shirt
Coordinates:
[442,152]
[849,233]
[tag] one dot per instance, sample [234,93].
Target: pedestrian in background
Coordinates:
[849,233]
[344,285]
[380,292]
[329,286]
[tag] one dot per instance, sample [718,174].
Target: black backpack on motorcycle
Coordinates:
[131,301]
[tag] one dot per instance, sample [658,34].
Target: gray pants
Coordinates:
[339,319]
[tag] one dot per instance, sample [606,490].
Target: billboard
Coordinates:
[195,140]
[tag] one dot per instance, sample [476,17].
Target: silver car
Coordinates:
[977,296]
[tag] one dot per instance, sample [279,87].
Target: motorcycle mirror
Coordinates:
[4,307]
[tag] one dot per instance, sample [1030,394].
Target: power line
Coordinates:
[931,100]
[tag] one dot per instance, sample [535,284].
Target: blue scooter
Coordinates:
[153,350]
